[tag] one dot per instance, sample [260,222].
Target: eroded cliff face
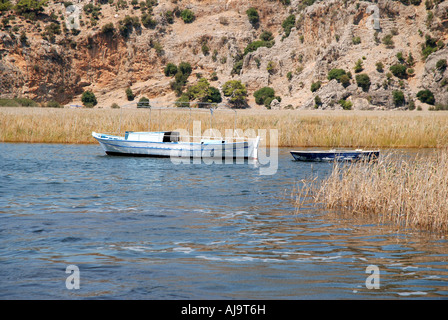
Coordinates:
[326,35]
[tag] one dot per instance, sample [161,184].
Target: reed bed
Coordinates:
[407,192]
[380,129]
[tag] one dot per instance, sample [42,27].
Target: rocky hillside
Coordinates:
[314,54]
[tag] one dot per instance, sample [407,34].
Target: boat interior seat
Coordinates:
[171,136]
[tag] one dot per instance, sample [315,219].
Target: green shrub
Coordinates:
[25,7]
[429,46]
[288,24]
[129,94]
[169,16]
[317,102]
[398,97]
[187,16]
[379,66]
[315,86]
[158,47]
[363,81]
[237,67]
[236,91]
[410,60]
[53,28]
[253,46]
[336,74]
[344,80]
[147,21]
[387,41]
[213,76]
[444,82]
[53,104]
[439,107]
[214,95]
[252,14]
[441,64]
[426,96]
[115,106]
[108,29]
[398,70]
[203,92]
[183,100]
[8,103]
[185,68]
[271,67]
[25,102]
[358,66]
[264,96]
[266,36]
[88,99]
[170,69]
[127,25]
[346,105]
[205,49]
[181,76]
[356,40]
[5,5]
[18,102]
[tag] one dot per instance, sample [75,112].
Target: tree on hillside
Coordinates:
[398,97]
[398,70]
[88,99]
[336,74]
[187,16]
[252,14]
[236,91]
[30,6]
[363,81]
[129,94]
[288,24]
[426,96]
[264,96]
[203,92]
[143,103]
[170,69]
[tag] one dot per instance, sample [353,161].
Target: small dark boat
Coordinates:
[336,155]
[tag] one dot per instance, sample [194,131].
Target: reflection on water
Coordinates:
[146,228]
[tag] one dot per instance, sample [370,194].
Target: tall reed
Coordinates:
[382,129]
[405,192]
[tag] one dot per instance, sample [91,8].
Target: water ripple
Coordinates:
[145,228]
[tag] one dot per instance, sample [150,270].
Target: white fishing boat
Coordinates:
[176,144]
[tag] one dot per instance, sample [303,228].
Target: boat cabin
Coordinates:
[163,136]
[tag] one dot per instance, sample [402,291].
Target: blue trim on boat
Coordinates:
[202,149]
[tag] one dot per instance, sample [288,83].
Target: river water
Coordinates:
[146,228]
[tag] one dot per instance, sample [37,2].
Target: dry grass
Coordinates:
[381,129]
[406,192]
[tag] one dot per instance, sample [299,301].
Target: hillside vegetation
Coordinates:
[266,54]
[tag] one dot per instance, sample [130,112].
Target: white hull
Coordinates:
[115,145]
